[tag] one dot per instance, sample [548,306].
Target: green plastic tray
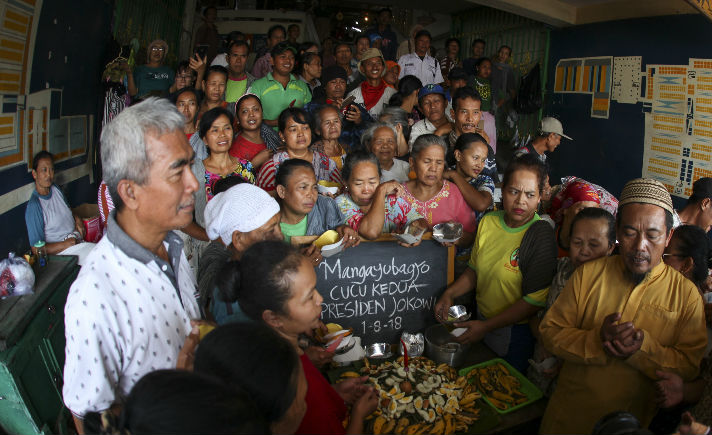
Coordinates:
[530,390]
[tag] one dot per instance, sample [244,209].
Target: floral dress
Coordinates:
[447,205]
[399,213]
[243,169]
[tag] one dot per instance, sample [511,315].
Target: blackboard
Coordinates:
[381,289]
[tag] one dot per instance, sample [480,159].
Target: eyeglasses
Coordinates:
[158,49]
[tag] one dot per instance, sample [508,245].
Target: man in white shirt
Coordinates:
[420,63]
[130,309]
[432,102]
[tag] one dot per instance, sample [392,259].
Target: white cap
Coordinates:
[553,125]
[244,208]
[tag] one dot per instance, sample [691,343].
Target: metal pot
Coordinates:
[440,346]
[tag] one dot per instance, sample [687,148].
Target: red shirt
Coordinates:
[326,410]
[245,149]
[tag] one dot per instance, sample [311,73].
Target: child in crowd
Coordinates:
[593,235]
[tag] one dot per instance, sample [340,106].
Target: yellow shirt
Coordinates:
[495,258]
[665,305]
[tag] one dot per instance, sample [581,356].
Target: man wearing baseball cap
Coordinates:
[432,102]
[373,92]
[550,133]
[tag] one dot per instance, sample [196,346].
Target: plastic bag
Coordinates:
[16,277]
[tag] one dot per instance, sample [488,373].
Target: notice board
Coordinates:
[381,289]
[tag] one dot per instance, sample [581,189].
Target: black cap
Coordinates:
[333,72]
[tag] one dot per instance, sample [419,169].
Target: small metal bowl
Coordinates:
[456,313]
[378,350]
[447,232]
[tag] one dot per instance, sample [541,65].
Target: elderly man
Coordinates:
[432,102]
[130,309]
[48,217]
[621,318]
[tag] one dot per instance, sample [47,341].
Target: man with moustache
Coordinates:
[130,309]
[622,318]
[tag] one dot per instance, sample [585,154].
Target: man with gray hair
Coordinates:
[621,320]
[130,309]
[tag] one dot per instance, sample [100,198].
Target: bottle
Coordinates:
[41,253]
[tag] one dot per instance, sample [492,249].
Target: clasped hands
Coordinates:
[620,340]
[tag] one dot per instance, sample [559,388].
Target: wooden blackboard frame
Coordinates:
[380,306]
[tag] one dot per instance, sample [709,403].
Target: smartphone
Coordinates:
[201,50]
[344,108]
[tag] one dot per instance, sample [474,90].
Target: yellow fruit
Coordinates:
[350,375]
[327,238]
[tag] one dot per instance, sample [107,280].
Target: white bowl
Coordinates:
[333,249]
[327,190]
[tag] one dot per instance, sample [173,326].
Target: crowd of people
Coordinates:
[599,300]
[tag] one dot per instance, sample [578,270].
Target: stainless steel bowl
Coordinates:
[441,347]
[378,350]
[448,231]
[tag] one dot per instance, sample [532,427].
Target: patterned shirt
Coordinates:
[447,205]
[243,169]
[483,183]
[324,168]
[127,314]
[399,213]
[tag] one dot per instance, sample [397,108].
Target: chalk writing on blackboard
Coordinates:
[380,289]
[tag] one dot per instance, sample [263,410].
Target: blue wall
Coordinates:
[81,33]
[609,152]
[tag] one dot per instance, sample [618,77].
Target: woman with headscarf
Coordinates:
[574,195]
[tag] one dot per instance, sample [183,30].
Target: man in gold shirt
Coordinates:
[621,318]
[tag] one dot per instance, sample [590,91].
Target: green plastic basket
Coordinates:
[530,390]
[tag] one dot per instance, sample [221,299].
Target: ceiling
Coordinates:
[561,13]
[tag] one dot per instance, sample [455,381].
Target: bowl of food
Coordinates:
[330,243]
[411,234]
[447,232]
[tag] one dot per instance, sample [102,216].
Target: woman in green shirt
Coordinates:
[304,211]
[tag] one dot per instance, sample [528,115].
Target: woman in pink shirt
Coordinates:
[435,198]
